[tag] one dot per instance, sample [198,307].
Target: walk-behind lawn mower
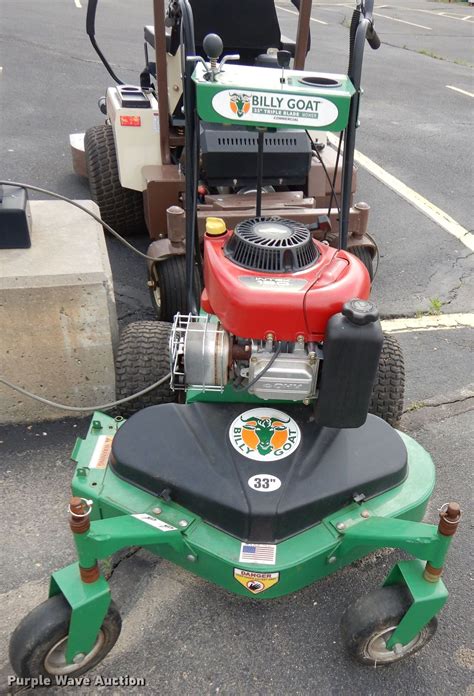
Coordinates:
[136,161]
[267,473]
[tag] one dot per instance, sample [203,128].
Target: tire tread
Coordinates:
[120,207]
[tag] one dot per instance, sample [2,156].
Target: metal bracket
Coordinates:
[428,599]
[89,604]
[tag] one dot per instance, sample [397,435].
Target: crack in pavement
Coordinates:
[63,54]
[436,403]
[124,557]
[455,61]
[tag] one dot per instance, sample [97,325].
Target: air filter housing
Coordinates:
[271,245]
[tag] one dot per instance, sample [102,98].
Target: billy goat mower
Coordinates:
[267,473]
[136,161]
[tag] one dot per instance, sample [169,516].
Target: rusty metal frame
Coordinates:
[162,78]
[302,34]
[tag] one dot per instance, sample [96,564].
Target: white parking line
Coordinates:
[285,9]
[415,199]
[460,18]
[402,21]
[428,323]
[462,91]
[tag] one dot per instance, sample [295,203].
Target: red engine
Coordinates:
[270,276]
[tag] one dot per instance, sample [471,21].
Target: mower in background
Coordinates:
[136,161]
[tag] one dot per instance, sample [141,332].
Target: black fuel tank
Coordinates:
[352,346]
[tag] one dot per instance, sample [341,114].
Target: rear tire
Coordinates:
[389,387]
[368,623]
[363,253]
[121,208]
[142,359]
[168,292]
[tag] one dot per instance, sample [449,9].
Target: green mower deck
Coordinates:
[122,515]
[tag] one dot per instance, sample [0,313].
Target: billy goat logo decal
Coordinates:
[239,103]
[264,434]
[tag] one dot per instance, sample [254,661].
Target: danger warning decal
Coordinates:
[101,453]
[256,582]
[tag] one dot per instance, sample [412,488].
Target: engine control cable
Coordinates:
[330,182]
[246,387]
[333,185]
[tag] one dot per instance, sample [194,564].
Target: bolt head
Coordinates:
[151,283]
[306,402]
[78,658]
[340,526]
[183,523]
[269,336]
[191,558]
[300,338]
[332,559]
[365,514]
[157,511]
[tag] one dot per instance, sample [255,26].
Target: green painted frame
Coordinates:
[388,520]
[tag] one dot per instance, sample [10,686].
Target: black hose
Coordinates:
[90,29]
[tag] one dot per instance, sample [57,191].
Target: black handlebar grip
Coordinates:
[90,17]
[373,39]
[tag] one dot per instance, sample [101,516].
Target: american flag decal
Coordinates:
[258,553]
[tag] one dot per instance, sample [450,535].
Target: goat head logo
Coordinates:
[240,104]
[265,429]
[264,434]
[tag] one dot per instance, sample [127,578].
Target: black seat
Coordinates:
[248,27]
[186,450]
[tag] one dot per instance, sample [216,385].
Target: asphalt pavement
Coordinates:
[183,635]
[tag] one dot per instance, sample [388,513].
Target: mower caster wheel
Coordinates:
[142,359]
[38,644]
[121,208]
[389,386]
[167,282]
[368,623]
[363,253]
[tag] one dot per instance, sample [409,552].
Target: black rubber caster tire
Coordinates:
[389,386]
[168,292]
[121,208]
[143,358]
[45,628]
[369,622]
[363,253]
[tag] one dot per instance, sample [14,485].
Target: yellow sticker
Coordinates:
[256,582]
[101,453]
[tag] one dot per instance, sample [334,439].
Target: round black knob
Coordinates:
[213,46]
[283,58]
[360,312]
